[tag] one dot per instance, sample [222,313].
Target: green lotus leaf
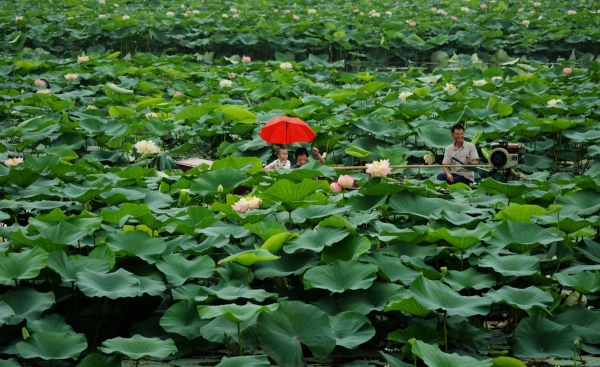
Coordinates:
[26,303]
[406,235]
[351,329]
[521,236]
[520,213]
[300,215]
[275,242]
[415,206]
[6,313]
[51,346]
[248,164]
[421,332]
[408,304]
[283,332]
[182,318]
[433,356]
[124,212]
[524,299]
[115,285]
[137,243]
[22,177]
[250,257]
[537,337]
[435,295]
[120,111]
[316,239]
[138,347]
[67,268]
[462,238]
[9,363]
[419,264]
[586,322]
[580,202]
[234,292]
[239,114]
[357,152]
[245,361]
[22,265]
[371,299]
[340,94]
[153,284]
[227,177]
[195,113]
[224,331]
[340,276]
[51,322]
[337,221]
[350,248]
[293,194]
[148,102]
[96,359]
[589,249]
[288,264]
[584,282]
[178,269]
[469,279]
[393,361]
[392,270]
[511,265]
[233,312]
[511,190]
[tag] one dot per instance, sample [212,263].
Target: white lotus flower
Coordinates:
[404,95]
[146,147]
[224,83]
[11,162]
[286,66]
[554,102]
[479,83]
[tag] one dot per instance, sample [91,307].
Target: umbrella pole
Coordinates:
[417,166]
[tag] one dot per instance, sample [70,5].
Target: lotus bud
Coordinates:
[444,270]
[184,197]
[220,189]
[576,343]
[25,333]
[558,208]
[188,101]
[330,133]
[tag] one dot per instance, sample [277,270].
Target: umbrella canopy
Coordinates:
[286,130]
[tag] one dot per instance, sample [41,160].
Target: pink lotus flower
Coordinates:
[71,77]
[296,17]
[246,59]
[235,16]
[39,83]
[483,6]
[536,4]
[567,71]
[287,11]
[412,24]
[525,23]
[454,18]
[246,204]
[275,10]
[177,94]
[571,12]
[356,10]
[520,10]
[345,181]
[379,168]
[188,12]
[335,188]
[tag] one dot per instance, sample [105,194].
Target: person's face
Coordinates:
[458,136]
[282,155]
[301,159]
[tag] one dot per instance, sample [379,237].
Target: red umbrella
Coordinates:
[286,130]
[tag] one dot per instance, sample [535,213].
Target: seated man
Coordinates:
[460,152]
[302,155]
[281,161]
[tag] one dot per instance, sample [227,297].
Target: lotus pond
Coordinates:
[112,255]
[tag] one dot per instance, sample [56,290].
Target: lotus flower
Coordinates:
[224,83]
[479,83]
[11,162]
[246,204]
[71,77]
[345,181]
[335,187]
[235,16]
[526,23]
[44,91]
[286,66]
[246,59]
[146,147]
[494,78]
[312,11]
[428,158]
[296,17]
[170,14]
[537,4]
[84,58]
[554,102]
[571,12]
[379,168]
[520,10]
[151,115]
[567,71]
[404,95]
[126,17]
[39,83]
[483,6]
[412,24]
[19,18]
[449,88]
[101,16]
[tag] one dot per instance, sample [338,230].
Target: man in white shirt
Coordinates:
[459,152]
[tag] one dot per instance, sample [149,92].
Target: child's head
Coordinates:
[282,154]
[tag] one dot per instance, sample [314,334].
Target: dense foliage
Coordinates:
[109,249]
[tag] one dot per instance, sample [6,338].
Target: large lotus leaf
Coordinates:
[238,291]
[418,207]
[435,295]
[51,345]
[266,229]
[138,347]
[51,322]
[115,285]
[341,276]
[293,194]
[22,177]
[300,215]
[419,332]
[250,257]
[182,318]
[524,299]
[521,236]
[350,248]
[10,363]
[152,284]
[224,331]
[250,164]
[589,249]
[511,265]
[351,329]
[434,137]
[580,202]
[22,265]
[406,235]
[67,268]
[393,361]
[64,233]
[419,264]
[296,263]
[96,359]
[178,269]
[374,298]
[283,332]
[583,282]
[233,312]
[462,238]
[26,303]
[275,242]
[520,213]
[126,211]
[469,279]
[6,313]
[537,337]
[245,361]
[316,239]
[408,304]
[390,269]
[511,189]
[227,177]
[586,322]
[433,356]
[137,243]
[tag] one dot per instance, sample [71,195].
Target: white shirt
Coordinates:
[467,150]
[277,164]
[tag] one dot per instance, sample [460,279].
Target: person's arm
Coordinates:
[270,166]
[317,155]
[473,157]
[447,160]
